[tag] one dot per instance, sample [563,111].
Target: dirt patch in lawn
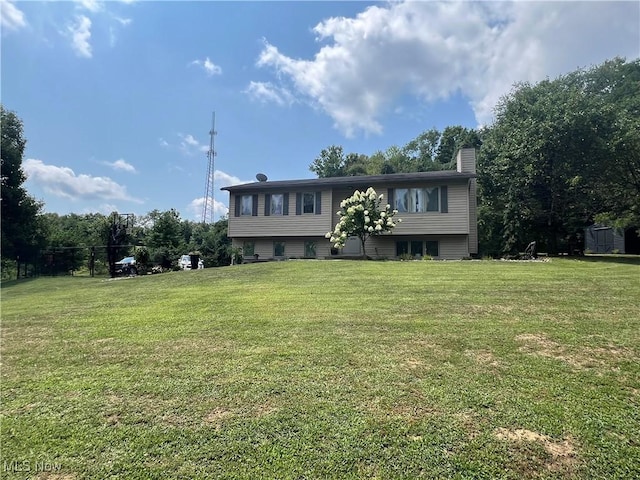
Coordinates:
[584,357]
[413,363]
[483,357]
[562,456]
[263,410]
[217,416]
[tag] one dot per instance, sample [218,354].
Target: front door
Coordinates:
[352,246]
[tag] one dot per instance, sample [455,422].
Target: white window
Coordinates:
[417,200]
[402,200]
[277,204]
[246,205]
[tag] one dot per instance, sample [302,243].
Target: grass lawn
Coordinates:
[326,369]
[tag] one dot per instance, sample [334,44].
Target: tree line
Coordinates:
[560,155]
[48,243]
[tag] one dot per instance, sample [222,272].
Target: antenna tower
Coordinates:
[207,209]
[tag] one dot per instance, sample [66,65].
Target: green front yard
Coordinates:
[326,369]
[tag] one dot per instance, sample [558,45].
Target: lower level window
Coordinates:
[278,249]
[417,248]
[432,248]
[309,249]
[248,248]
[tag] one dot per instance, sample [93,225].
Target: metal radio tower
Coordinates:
[207,209]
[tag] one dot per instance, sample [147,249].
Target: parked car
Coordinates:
[126,266]
[185,262]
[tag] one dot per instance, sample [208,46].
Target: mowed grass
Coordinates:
[326,369]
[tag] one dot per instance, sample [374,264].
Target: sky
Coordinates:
[118,98]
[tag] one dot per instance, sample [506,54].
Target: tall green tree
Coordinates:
[419,153]
[165,238]
[22,234]
[617,84]
[330,162]
[453,139]
[430,150]
[558,155]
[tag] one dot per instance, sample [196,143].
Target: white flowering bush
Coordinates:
[362,215]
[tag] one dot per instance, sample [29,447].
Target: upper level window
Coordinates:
[277,204]
[308,202]
[417,200]
[246,205]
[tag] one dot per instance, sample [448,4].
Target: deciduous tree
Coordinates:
[21,232]
[362,216]
[559,153]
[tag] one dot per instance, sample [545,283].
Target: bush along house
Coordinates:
[276,220]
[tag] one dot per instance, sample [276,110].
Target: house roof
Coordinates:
[362,181]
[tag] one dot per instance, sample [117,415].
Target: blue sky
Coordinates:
[117,96]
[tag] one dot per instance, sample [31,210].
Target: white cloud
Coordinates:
[121,164]
[223,179]
[189,140]
[123,21]
[104,208]
[80,34]
[196,209]
[208,66]
[220,208]
[189,145]
[11,17]
[267,92]
[433,50]
[91,5]
[63,182]
[163,142]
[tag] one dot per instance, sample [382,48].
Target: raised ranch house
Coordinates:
[289,219]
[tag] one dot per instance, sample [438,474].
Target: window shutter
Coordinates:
[318,202]
[285,207]
[267,204]
[254,206]
[298,203]
[237,206]
[444,199]
[390,199]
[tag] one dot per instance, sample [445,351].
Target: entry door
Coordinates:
[352,247]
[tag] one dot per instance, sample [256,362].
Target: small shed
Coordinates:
[604,239]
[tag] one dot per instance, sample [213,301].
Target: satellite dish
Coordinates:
[261,177]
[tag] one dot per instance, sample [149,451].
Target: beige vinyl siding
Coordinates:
[307,225]
[456,221]
[473,217]
[294,246]
[451,247]
[466,160]
[454,247]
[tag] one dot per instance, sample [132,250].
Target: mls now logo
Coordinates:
[27,466]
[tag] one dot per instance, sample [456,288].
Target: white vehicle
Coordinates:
[185,262]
